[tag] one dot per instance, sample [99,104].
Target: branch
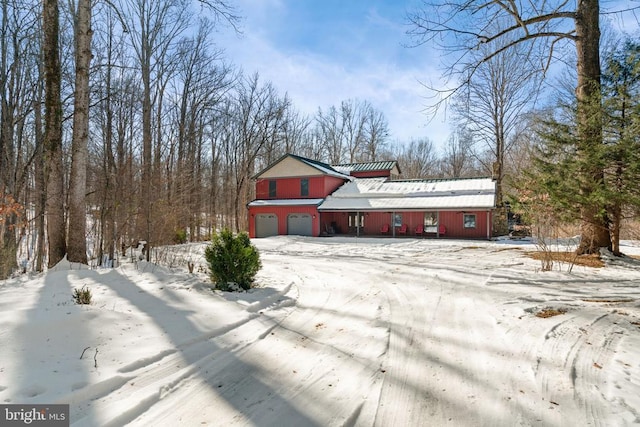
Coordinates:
[613,12]
[536,19]
[558,36]
[513,11]
[87,348]
[113,7]
[222,9]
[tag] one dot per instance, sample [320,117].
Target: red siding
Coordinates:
[373,221]
[454,221]
[289,188]
[282,212]
[331,184]
[262,189]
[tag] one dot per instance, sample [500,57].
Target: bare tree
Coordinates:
[154,26]
[77,240]
[418,159]
[354,132]
[493,102]
[260,113]
[329,134]
[458,160]
[56,229]
[354,119]
[295,134]
[376,134]
[201,84]
[19,83]
[115,134]
[460,26]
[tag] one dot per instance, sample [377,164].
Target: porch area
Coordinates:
[379,224]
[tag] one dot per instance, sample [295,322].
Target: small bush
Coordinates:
[180,236]
[233,261]
[82,296]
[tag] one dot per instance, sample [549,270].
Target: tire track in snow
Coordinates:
[307,358]
[444,329]
[575,355]
[152,379]
[401,400]
[155,379]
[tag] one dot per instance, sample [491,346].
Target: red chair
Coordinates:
[384,229]
[419,230]
[442,230]
[403,229]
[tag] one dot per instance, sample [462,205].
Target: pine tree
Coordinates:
[621,105]
[559,164]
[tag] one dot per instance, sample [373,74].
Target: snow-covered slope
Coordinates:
[343,331]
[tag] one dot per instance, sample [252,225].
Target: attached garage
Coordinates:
[281,217]
[300,224]
[266,225]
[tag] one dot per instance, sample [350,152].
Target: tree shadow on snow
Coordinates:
[50,371]
[220,370]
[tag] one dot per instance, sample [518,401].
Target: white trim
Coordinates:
[286,202]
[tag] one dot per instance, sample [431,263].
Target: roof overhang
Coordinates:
[442,203]
[292,166]
[286,202]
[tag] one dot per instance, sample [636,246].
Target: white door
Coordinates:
[266,225]
[300,224]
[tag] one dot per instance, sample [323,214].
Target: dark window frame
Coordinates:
[273,189]
[304,187]
[467,222]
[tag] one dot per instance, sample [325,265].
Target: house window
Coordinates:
[469,220]
[272,189]
[304,187]
[430,222]
[397,220]
[356,220]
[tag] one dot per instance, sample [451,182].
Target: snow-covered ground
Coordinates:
[343,331]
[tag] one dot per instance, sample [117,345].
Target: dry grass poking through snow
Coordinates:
[569,258]
[550,312]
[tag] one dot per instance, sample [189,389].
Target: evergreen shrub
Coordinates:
[233,261]
[82,295]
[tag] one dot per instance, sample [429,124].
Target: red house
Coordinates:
[301,196]
[288,193]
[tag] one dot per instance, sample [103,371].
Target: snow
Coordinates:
[342,331]
[382,194]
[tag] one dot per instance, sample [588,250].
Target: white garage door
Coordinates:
[299,224]
[266,225]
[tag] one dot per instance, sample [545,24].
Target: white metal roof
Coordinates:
[382,194]
[286,202]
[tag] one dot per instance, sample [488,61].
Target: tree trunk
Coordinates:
[8,245]
[40,186]
[595,229]
[77,243]
[145,221]
[53,133]
[616,213]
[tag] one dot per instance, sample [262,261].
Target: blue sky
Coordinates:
[322,52]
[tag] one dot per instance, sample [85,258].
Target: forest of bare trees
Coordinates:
[121,121]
